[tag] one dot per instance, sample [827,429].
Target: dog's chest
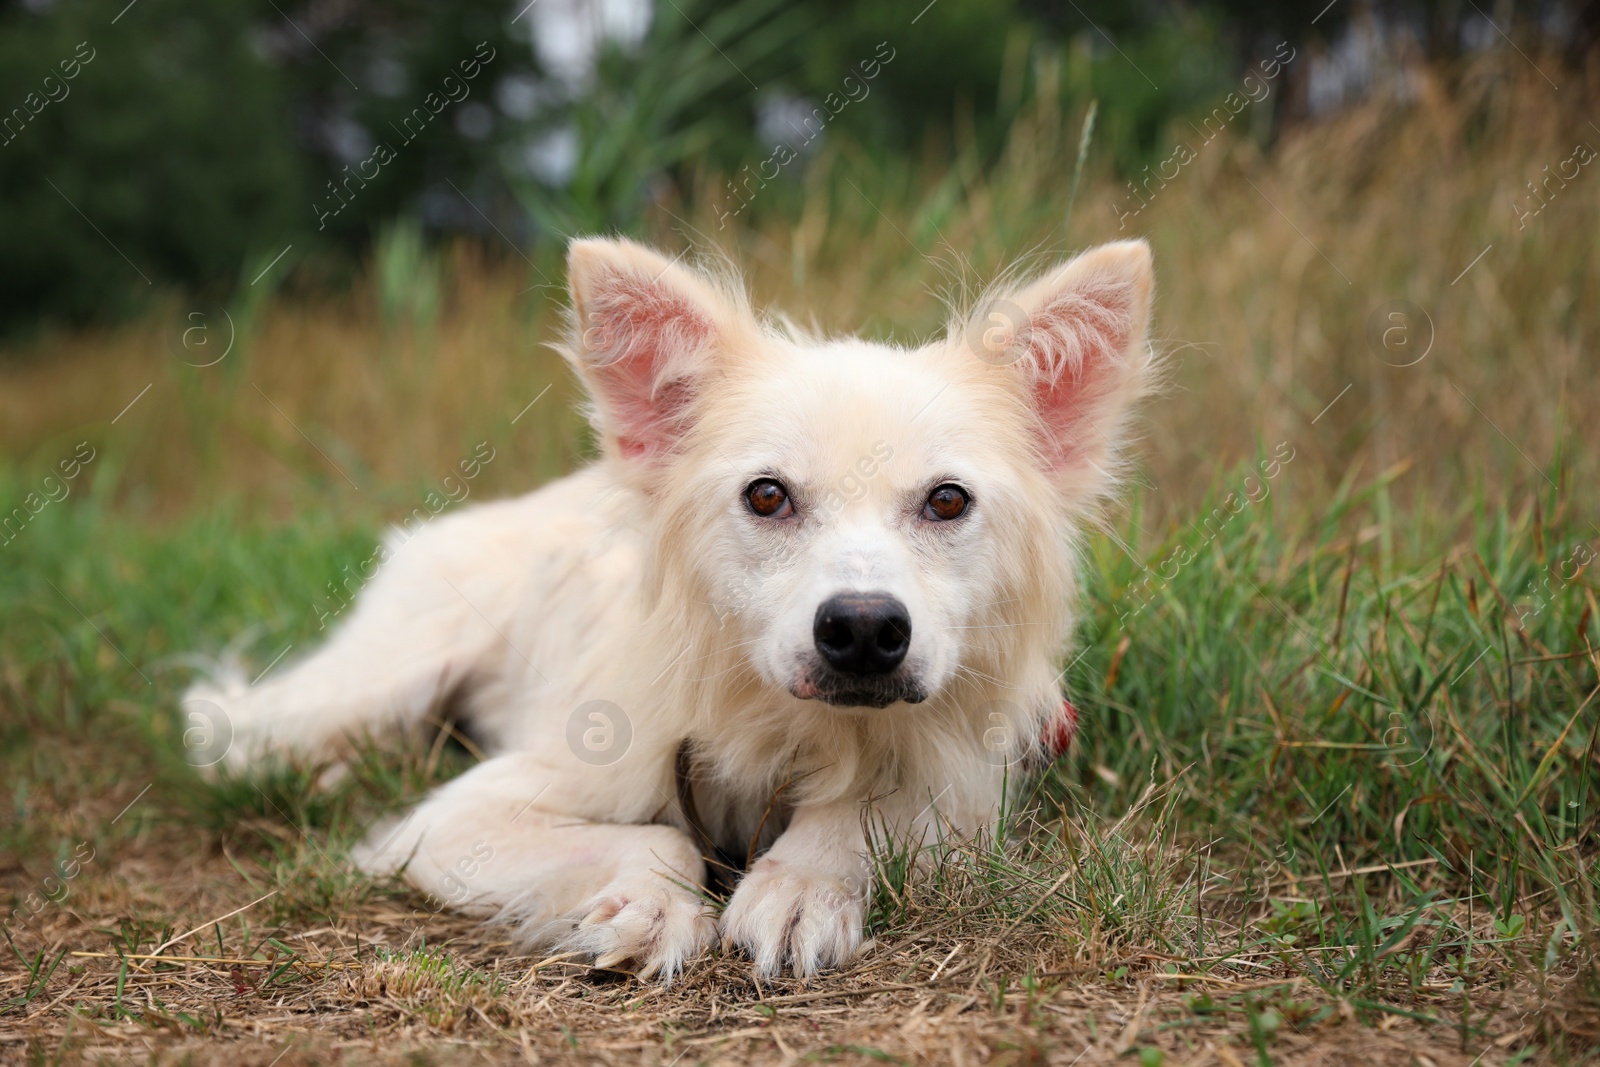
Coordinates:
[731,826]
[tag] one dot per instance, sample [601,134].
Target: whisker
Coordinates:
[997,626]
[975,673]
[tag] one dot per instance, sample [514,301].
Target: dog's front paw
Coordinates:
[782,913]
[657,927]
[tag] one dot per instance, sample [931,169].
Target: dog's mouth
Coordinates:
[843,691]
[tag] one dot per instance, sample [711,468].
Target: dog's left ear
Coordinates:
[647,333]
[1077,338]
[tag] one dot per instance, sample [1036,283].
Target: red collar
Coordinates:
[1058,731]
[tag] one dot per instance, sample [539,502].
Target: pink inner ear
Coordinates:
[640,335]
[1073,341]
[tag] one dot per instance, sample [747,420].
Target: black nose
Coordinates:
[862,633]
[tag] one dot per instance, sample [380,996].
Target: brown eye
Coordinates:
[945,503]
[768,498]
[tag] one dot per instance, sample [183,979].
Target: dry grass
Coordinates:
[293,960]
[1271,270]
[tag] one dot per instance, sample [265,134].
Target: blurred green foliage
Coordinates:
[167,156]
[196,139]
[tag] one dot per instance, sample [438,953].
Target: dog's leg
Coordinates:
[415,634]
[503,840]
[804,902]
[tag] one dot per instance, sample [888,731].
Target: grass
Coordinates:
[1274,277]
[1303,805]
[1335,793]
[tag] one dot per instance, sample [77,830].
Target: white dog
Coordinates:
[815,590]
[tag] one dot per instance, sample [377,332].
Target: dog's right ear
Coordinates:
[647,332]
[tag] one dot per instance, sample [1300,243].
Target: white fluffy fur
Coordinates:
[645,581]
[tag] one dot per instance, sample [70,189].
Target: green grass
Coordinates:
[1317,698]
[1310,692]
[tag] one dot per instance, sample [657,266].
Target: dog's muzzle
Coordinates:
[862,640]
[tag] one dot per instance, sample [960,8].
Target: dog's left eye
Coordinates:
[945,503]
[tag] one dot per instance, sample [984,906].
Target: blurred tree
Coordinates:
[418,79]
[166,157]
[195,136]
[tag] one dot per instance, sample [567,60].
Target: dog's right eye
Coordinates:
[769,499]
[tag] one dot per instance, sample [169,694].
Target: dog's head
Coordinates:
[862,524]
